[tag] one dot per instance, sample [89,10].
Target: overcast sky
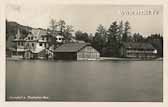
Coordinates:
[87,17]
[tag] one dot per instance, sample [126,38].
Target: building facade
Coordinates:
[33,44]
[19,51]
[76,51]
[138,50]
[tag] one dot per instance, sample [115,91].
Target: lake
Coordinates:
[109,81]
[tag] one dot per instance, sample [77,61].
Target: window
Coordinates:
[21,43]
[59,38]
[28,38]
[31,38]
[32,44]
[41,44]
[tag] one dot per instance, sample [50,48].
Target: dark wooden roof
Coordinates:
[144,46]
[71,47]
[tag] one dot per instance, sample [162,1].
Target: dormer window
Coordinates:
[32,38]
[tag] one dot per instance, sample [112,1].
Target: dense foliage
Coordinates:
[106,40]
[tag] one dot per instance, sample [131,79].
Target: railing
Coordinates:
[136,51]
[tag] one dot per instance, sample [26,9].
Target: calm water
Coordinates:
[85,80]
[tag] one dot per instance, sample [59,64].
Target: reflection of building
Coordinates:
[76,51]
[138,50]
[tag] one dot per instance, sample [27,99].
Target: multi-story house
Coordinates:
[138,50]
[19,51]
[35,45]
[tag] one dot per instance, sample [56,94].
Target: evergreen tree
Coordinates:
[121,30]
[126,32]
[113,43]
[100,39]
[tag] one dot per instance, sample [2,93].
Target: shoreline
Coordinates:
[101,59]
[129,59]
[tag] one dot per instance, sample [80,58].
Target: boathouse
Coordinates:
[138,50]
[76,51]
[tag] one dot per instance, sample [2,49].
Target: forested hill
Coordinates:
[12,27]
[11,30]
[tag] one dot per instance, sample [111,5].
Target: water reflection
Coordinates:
[86,80]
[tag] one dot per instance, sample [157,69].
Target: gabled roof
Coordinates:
[71,47]
[34,32]
[138,46]
[38,32]
[19,36]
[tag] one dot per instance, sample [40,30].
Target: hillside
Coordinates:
[11,30]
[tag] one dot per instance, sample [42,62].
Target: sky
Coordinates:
[87,17]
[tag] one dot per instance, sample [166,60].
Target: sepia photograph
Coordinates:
[84,52]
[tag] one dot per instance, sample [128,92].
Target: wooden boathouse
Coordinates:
[76,51]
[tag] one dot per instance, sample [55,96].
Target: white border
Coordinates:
[3,103]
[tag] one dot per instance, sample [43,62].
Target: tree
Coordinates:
[53,26]
[113,43]
[121,30]
[78,35]
[83,36]
[90,37]
[126,31]
[100,39]
[60,27]
[137,37]
[68,32]
[157,41]
[113,32]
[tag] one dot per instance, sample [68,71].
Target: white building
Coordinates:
[59,39]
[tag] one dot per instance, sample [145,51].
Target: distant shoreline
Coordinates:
[101,59]
[129,59]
